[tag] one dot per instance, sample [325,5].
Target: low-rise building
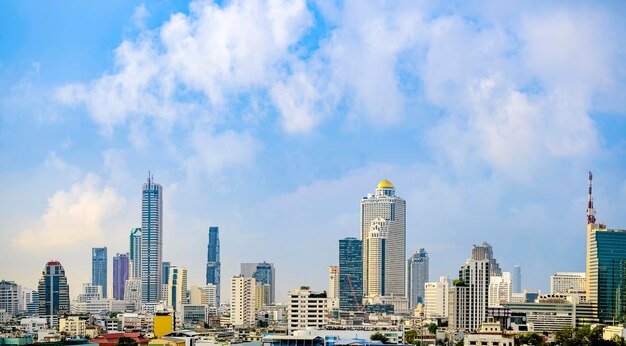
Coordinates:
[489,334]
[73,326]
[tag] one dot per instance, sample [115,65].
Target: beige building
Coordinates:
[73,326]
[563,283]
[243,301]
[500,289]
[263,295]
[306,309]
[436,298]
[385,205]
[177,287]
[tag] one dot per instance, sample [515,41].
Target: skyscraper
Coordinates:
[333,282]
[485,251]
[350,274]
[264,273]
[416,277]
[54,293]
[243,301]
[120,275]
[606,266]
[469,296]
[517,279]
[177,287]
[135,253]
[151,241]
[213,265]
[99,268]
[391,266]
[165,266]
[9,300]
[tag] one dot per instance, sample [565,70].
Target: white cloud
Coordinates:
[74,216]
[55,162]
[217,152]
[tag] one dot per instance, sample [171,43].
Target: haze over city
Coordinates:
[273,119]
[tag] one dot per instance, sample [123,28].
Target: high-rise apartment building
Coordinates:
[213,265]
[151,241]
[416,277]
[9,297]
[350,274]
[54,293]
[99,268]
[306,309]
[333,282]
[177,287]
[485,251]
[90,292]
[135,253]
[388,272]
[121,264]
[517,279]
[436,298]
[563,283]
[469,296]
[263,273]
[606,266]
[242,301]
[263,295]
[500,289]
[132,291]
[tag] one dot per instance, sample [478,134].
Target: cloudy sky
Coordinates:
[271,119]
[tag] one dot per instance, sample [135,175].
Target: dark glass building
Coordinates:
[264,274]
[213,265]
[99,268]
[350,274]
[120,275]
[166,272]
[54,293]
[151,241]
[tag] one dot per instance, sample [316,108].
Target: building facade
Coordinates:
[151,241]
[9,297]
[485,251]
[416,277]
[306,310]
[121,265]
[436,298]
[90,292]
[350,275]
[500,289]
[384,204]
[469,298]
[263,273]
[99,268]
[213,265]
[243,301]
[135,253]
[517,279]
[54,293]
[177,287]
[563,283]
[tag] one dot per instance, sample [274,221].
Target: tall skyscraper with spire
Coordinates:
[383,234]
[213,265]
[151,241]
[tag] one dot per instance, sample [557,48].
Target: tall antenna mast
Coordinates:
[591,213]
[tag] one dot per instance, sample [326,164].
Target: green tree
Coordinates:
[380,337]
[432,328]
[410,336]
[459,343]
[126,341]
[531,339]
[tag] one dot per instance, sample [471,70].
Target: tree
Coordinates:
[531,339]
[432,328]
[380,337]
[126,341]
[410,336]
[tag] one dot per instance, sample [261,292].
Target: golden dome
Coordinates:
[385,184]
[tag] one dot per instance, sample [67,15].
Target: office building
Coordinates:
[606,266]
[54,293]
[151,241]
[177,287]
[165,273]
[99,268]
[333,282]
[263,273]
[384,205]
[73,326]
[90,292]
[9,297]
[500,289]
[213,265]
[436,298]
[193,314]
[563,283]
[135,253]
[243,302]
[350,275]
[121,263]
[416,277]
[485,251]
[204,295]
[306,309]
[517,279]
[132,291]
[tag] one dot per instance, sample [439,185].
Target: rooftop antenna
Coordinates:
[591,213]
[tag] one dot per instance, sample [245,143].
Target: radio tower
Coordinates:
[591,213]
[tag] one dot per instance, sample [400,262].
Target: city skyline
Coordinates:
[282,142]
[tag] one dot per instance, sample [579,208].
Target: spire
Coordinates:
[591,213]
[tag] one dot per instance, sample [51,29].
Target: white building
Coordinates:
[333,288]
[436,298]
[489,334]
[376,248]
[177,287]
[384,204]
[95,306]
[469,298]
[90,292]
[132,291]
[242,301]
[500,289]
[563,282]
[306,309]
[33,325]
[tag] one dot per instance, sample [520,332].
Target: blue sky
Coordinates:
[272,119]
